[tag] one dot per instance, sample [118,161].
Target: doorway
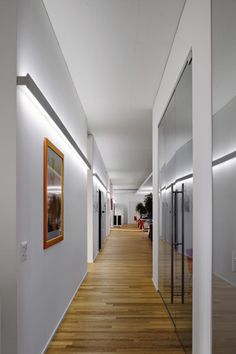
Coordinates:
[99,220]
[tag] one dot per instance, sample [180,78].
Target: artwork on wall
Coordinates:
[53,194]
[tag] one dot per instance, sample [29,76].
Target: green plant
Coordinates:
[148,204]
[140,208]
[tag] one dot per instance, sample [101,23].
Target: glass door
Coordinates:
[224,172]
[175,208]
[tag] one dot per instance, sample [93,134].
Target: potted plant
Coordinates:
[148,205]
[140,208]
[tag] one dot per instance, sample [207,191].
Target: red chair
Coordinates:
[141,224]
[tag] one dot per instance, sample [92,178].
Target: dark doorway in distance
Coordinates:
[99,220]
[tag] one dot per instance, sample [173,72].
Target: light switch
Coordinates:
[233,261]
[23,254]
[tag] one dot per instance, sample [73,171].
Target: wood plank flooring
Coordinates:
[224,317]
[181,313]
[117,309]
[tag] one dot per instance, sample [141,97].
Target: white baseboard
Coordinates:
[95,256]
[155,285]
[224,279]
[63,315]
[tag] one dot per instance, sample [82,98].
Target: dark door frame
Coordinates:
[99,220]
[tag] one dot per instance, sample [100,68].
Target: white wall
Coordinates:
[94,186]
[90,201]
[109,213]
[224,220]
[126,204]
[223,52]
[224,129]
[49,278]
[100,169]
[194,32]
[8,291]
[99,166]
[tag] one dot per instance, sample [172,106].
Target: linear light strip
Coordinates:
[100,180]
[125,189]
[216,162]
[184,178]
[145,181]
[225,158]
[36,92]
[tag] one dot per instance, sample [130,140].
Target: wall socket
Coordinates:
[233,261]
[23,251]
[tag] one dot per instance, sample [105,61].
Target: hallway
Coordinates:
[117,309]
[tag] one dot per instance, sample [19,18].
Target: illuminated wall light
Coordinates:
[218,164]
[37,107]
[224,166]
[149,189]
[29,87]
[231,151]
[143,191]
[162,190]
[224,162]
[30,107]
[187,180]
[100,182]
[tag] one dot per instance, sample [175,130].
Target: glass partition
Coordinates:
[175,208]
[224,173]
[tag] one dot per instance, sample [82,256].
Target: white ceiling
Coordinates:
[147,186]
[116,51]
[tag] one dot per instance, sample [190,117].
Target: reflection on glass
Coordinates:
[224,191]
[54,195]
[175,207]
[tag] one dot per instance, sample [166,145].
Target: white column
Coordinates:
[8,274]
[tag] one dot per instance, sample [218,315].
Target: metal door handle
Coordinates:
[174,238]
[183,284]
[172,244]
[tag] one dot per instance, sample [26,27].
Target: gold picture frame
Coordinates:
[53,194]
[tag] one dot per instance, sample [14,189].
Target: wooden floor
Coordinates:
[181,313]
[224,317]
[117,309]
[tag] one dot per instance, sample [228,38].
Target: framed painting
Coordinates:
[53,194]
